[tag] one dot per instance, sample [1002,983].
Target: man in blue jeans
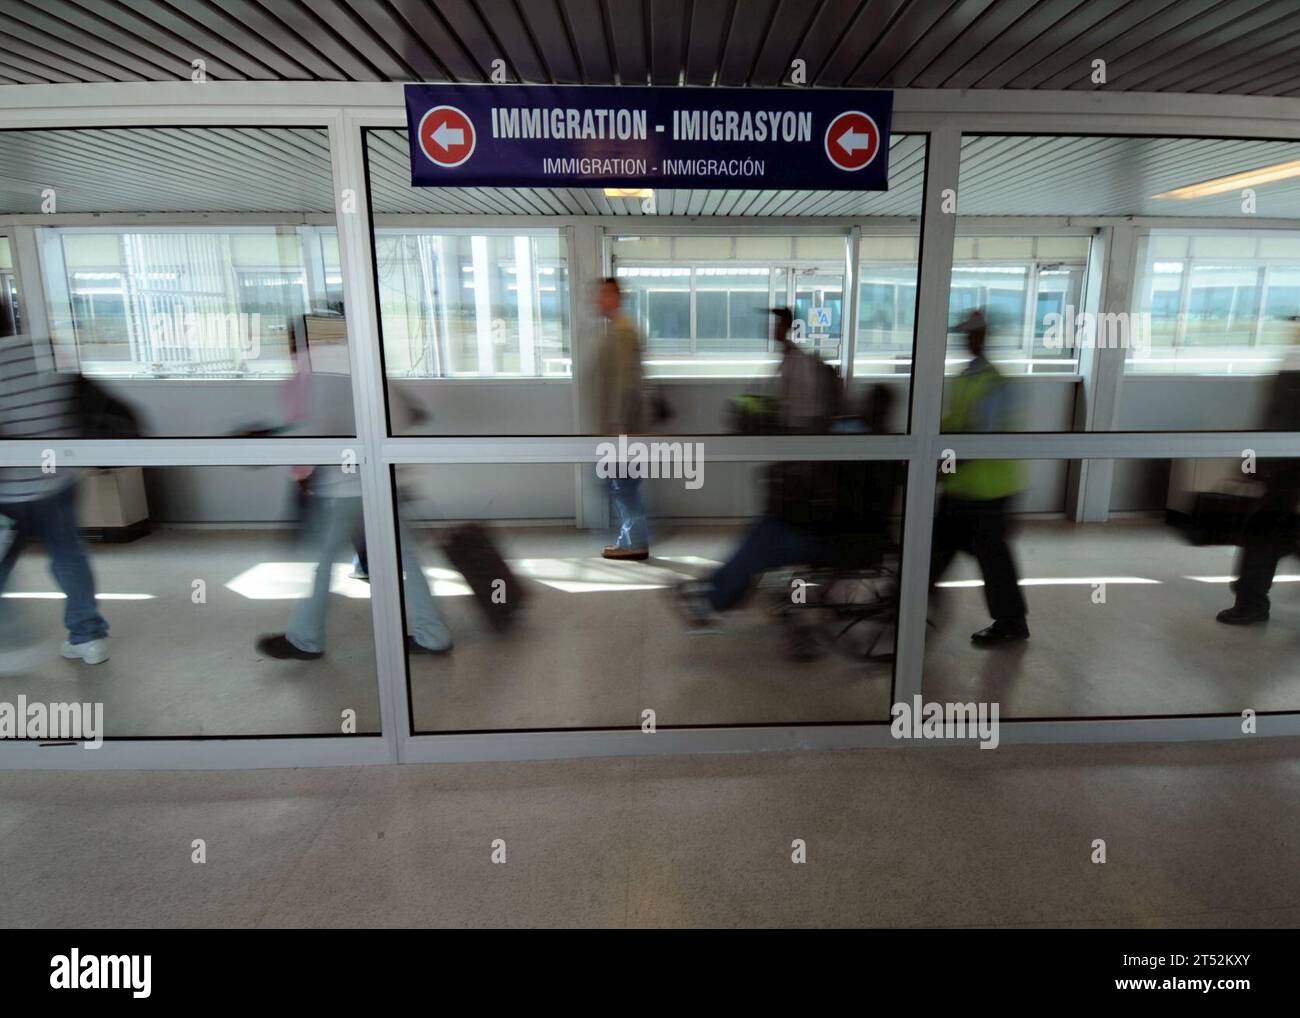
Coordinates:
[41,502]
[818,515]
[334,518]
[620,398]
[53,520]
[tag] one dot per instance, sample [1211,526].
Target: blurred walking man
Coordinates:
[973,506]
[620,391]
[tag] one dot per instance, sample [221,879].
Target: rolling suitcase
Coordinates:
[496,589]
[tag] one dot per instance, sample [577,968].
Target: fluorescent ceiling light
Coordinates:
[1058,581]
[40,595]
[1229,579]
[1235,182]
[629,192]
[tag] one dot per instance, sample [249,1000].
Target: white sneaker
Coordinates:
[93,652]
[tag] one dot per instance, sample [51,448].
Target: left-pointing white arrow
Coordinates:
[851,141]
[445,137]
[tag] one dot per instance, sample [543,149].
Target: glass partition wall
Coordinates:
[182,479]
[367,425]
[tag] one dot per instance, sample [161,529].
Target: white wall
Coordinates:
[219,408]
[1175,403]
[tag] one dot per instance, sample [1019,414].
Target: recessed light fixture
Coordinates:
[1251,178]
[629,192]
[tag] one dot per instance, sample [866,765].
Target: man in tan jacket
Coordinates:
[620,397]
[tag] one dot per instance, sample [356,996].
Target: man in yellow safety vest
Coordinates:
[974,499]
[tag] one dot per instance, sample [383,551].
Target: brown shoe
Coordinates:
[629,554]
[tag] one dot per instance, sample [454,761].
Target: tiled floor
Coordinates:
[599,643]
[1195,835]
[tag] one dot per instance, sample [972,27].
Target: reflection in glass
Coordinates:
[793,564]
[886,312]
[1025,287]
[1219,301]
[177,303]
[148,589]
[1181,601]
[473,305]
[977,496]
[201,302]
[1186,342]
[702,302]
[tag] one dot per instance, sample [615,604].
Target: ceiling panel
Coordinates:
[167,170]
[1213,46]
[276,170]
[1088,176]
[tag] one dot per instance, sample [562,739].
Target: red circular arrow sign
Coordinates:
[852,140]
[446,136]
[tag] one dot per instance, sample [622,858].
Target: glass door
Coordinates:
[817,299]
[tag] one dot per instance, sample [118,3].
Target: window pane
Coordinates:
[474,323]
[730,291]
[1007,278]
[1216,315]
[1145,585]
[1027,304]
[203,302]
[1208,322]
[470,350]
[175,574]
[887,274]
[167,302]
[473,305]
[521,662]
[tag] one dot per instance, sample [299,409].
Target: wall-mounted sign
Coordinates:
[608,136]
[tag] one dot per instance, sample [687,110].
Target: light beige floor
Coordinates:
[184,668]
[599,643]
[1197,835]
[1150,648]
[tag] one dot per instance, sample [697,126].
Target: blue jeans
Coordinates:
[625,493]
[335,522]
[769,544]
[54,521]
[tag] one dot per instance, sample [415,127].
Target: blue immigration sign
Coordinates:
[608,136]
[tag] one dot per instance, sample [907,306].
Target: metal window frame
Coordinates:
[345,109]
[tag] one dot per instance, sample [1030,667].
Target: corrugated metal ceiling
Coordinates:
[287,170]
[167,169]
[1240,46]
[1065,176]
[1210,46]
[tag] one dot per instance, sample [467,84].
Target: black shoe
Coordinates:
[1238,616]
[412,647]
[691,599]
[800,644]
[1001,632]
[277,645]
